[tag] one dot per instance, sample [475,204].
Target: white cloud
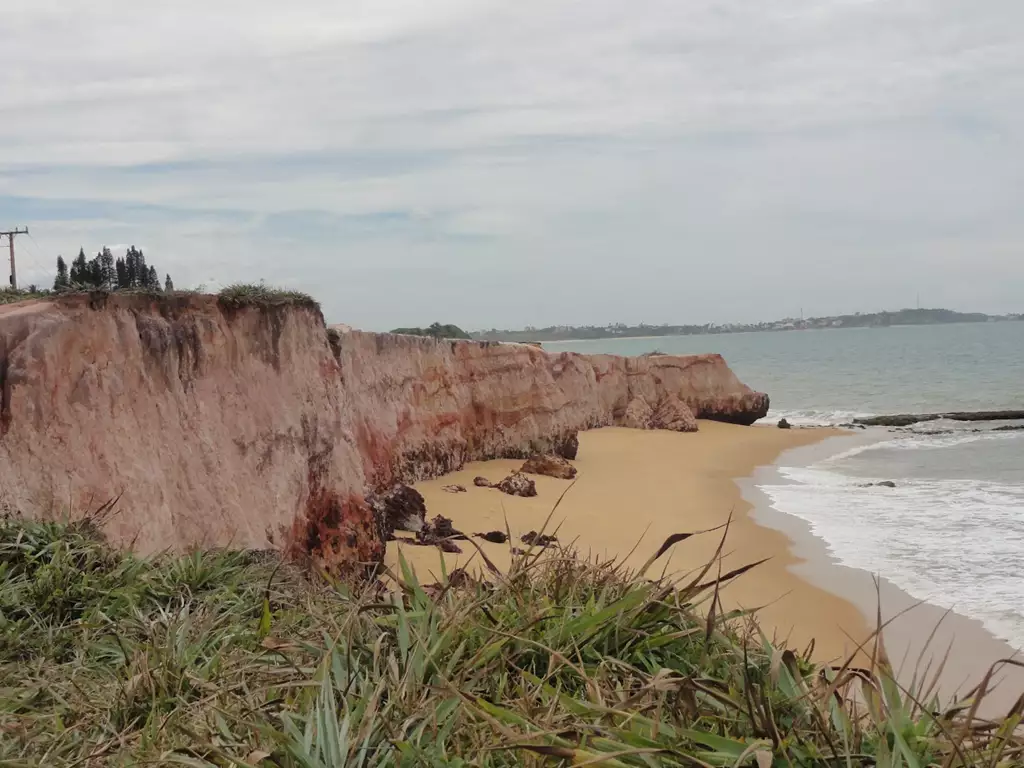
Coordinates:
[755,150]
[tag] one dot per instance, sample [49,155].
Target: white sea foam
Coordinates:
[955,543]
[816,417]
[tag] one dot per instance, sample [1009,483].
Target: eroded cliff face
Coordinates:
[257,427]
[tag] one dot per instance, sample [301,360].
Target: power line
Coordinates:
[10,234]
[34,253]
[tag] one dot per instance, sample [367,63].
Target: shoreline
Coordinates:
[920,638]
[636,488]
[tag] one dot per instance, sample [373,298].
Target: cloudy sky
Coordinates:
[530,162]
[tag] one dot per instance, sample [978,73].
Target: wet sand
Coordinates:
[924,642]
[636,488]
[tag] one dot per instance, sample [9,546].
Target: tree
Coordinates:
[107,271]
[96,272]
[79,269]
[153,280]
[141,270]
[168,284]
[121,271]
[131,261]
[63,282]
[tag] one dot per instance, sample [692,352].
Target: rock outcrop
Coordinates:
[401,508]
[517,484]
[258,427]
[907,419]
[550,466]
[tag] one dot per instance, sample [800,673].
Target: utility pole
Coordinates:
[10,242]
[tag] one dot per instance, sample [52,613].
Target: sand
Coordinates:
[636,488]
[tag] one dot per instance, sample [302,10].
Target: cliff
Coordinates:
[257,427]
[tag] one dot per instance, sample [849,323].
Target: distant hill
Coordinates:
[857,320]
[437,331]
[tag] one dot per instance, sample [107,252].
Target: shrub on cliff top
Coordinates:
[10,296]
[235,659]
[250,295]
[436,330]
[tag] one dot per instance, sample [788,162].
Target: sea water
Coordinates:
[952,530]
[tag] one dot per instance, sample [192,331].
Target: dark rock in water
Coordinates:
[898,420]
[783,424]
[517,484]
[1009,428]
[402,508]
[454,488]
[906,419]
[535,539]
[495,537]
[551,466]
[883,484]
[482,482]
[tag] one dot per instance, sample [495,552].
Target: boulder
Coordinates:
[783,424]
[495,537]
[517,484]
[402,508]
[566,446]
[673,414]
[551,466]
[638,414]
[535,539]
[439,532]
[482,482]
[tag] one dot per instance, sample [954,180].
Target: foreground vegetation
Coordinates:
[235,659]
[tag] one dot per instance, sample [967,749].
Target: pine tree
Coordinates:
[63,282]
[79,269]
[153,280]
[168,285]
[121,271]
[131,268]
[107,270]
[96,271]
[141,270]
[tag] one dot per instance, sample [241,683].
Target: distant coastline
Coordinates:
[857,320]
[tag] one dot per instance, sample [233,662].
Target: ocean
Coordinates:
[952,530]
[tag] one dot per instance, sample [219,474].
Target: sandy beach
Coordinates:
[636,488]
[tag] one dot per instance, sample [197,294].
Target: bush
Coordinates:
[436,330]
[10,296]
[248,295]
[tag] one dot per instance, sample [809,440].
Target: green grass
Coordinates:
[10,296]
[225,658]
[249,295]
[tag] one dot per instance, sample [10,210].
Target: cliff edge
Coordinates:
[257,426]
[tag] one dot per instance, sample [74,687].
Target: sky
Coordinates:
[538,162]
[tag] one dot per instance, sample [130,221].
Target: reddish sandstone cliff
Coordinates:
[255,427]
